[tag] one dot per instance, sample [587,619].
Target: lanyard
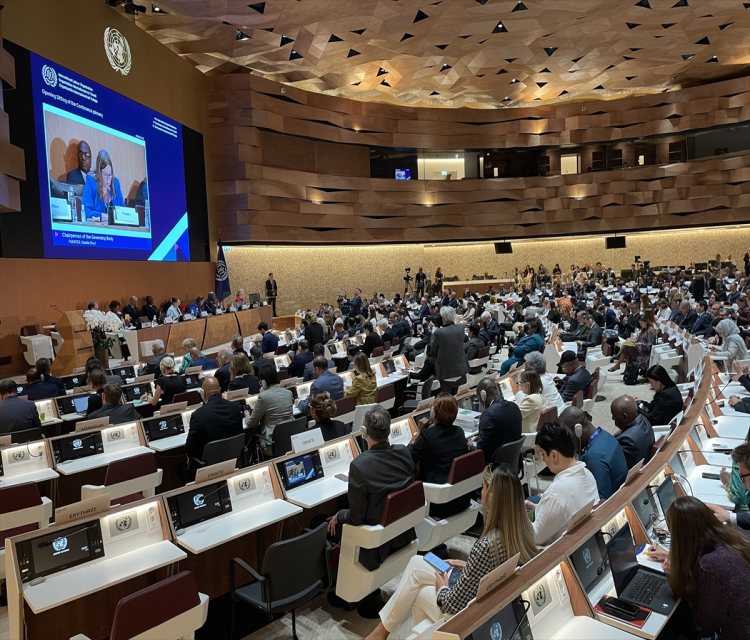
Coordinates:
[593,435]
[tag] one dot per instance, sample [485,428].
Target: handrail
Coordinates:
[476,614]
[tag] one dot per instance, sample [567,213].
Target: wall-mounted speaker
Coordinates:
[503,247]
[618,242]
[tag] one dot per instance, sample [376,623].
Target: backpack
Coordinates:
[630,377]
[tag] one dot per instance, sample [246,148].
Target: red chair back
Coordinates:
[129,469]
[283,374]
[386,345]
[401,503]
[385,392]
[395,341]
[656,446]
[548,415]
[15,498]
[154,605]
[483,352]
[606,349]
[466,466]
[379,351]
[282,349]
[192,397]
[345,405]
[578,400]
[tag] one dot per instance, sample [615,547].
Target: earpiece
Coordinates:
[483,395]
[263,384]
[578,430]
[432,414]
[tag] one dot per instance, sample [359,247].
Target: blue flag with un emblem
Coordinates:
[221,288]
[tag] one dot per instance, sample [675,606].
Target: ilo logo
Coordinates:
[60,544]
[540,595]
[124,523]
[198,500]
[77,443]
[496,631]
[49,75]
[587,556]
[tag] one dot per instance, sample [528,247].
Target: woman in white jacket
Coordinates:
[531,402]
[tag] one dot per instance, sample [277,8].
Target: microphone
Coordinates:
[677,475]
[605,555]
[56,308]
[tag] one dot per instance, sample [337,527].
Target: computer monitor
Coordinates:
[199,505]
[470,403]
[192,381]
[622,559]
[389,366]
[76,380]
[159,428]
[77,445]
[589,561]
[135,391]
[124,372]
[645,509]
[300,470]
[21,388]
[666,495]
[510,623]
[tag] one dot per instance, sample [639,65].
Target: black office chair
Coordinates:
[411,399]
[220,451]
[510,454]
[281,441]
[27,435]
[293,573]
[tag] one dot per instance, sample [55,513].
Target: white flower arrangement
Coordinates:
[100,324]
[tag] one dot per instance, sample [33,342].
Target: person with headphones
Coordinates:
[501,421]
[598,450]
[274,405]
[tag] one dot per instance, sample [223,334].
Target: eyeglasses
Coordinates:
[106,175]
[84,154]
[743,476]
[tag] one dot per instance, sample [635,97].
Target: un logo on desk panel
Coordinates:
[60,544]
[332,454]
[540,596]
[123,523]
[396,432]
[246,484]
[496,631]
[114,436]
[587,556]
[198,500]
[18,456]
[49,75]
[118,51]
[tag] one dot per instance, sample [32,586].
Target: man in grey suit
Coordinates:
[114,407]
[274,405]
[594,336]
[318,351]
[447,345]
[577,376]
[16,414]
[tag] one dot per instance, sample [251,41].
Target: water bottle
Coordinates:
[72,203]
[146,206]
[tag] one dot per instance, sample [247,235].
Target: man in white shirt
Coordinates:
[552,398]
[572,488]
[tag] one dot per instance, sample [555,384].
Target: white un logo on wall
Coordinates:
[117,50]
[49,75]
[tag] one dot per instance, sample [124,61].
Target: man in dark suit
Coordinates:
[490,329]
[741,455]
[372,340]
[703,321]
[375,473]
[424,310]
[222,374]
[270,340]
[133,311]
[152,366]
[636,435]
[296,367]
[272,291]
[259,362]
[594,336]
[16,414]
[83,155]
[215,420]
[39,389]
[688,316]
[700,287]
[199,360]
[114,408]
[389,333]
[319,351]
[447,345]
[238,344]
[500,422]
[355,306]
[324,381]
[577,376]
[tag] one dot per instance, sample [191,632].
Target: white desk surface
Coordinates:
[585,628]
[165,444]
[317,492]
[69,417]
[100,460]
[733,428]
[34,476]
[206,535]
[709,490]
[55,421]
[100,574]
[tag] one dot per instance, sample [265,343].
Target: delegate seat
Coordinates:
[127,480]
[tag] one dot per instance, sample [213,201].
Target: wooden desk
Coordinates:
[285,323]
[476,286]
[220,329]
[249,319]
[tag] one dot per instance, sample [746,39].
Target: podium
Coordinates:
[77,346]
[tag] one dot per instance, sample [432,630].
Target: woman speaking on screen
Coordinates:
[102,189]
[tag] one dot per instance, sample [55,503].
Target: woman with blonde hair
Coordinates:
[507,531]
[365,383]
[322,410]
[531,400]
[168,386]
[102,189]
[241,374]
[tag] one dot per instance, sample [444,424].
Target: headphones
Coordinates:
[432,414]
[483,396]
[578,430]
[263,384]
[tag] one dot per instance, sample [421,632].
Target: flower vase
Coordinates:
[102,356]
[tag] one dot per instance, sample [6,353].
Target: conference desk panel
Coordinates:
[476,286]
[147,334]
[179,331]
[220,329]
[249,319]
[285,323]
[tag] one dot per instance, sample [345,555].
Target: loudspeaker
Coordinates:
[503,247]
[618,242]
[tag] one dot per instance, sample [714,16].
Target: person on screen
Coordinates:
[102,189]
[79,174]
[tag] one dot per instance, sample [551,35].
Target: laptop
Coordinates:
[74,405]
[634,583]
[589,561]
[666,495]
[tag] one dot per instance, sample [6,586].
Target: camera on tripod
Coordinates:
[408,278]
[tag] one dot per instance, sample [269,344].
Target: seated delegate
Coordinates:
[667,400]
[114,408]
[168,386]
[636,435]
[365,384]
[507,531]
[16,414]
[102,189]
[322,411]
[500,422]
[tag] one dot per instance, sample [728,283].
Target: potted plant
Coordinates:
[100,324]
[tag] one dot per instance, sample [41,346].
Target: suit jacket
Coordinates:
[702,324]
[274,405]
[296,367]
[223,375]
[689,320]
[743,316]
[117,413]
[698,287]
[355,306]
[377,472]
[314,335]
[327,381]
[42,390]
[636,441]
[447,346]
[389,334]
[743,520]
[215,420]
[499,424]
[271,289]
[152,366]
[424,311]
[269,343]
[472,347]
[17,414]
[75,177]
[246,381]
[594,338]
[205,363]
[309,374]
[666,404]
[134,313]
[579,380]
[372,340]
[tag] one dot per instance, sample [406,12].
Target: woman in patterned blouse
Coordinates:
[431,594]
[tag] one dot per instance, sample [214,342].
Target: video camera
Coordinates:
[408,278]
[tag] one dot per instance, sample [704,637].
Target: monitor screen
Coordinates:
[77,380]
[622,558]
[201,504]
[192,381]
[589,562]
[124,372]
[61,550]
[165,427]
[21,388]
[78,445]
[389,366]
[403,174]
[135,391]
[510,623]
[73,404]
[666,494]
[81,403]
[300,470]
[645,509]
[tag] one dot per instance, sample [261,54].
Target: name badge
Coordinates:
[495,578]
[83,509]
[312,439]
[215,471]
[580,516]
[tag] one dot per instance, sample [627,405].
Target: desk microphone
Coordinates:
[56,308]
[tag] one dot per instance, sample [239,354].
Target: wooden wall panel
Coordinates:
[219,330]
[180,331]
[29,287]
[12,168]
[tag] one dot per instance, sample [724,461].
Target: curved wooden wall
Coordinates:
[12,168]
[268,204]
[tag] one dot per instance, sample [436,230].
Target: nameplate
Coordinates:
[168,320]
[126,363]
[177,407]
[238,394]
[84,509]
[79,370]
[289,382]
[147,378]
[426,403]
[215,471]
[96,423]
[580,516]
[188,316]
[204,314]
[312,439]
[464,388]
[192,370]
[633,472]
[5,441]
[219,312]
[232,309]
[496,577]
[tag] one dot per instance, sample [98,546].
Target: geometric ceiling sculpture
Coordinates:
[472,53]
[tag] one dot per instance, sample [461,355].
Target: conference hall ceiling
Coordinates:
[481,53]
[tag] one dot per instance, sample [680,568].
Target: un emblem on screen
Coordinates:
[198,499]
[587,555]
[49,75]
[118,50]
[496,631]
[59,544]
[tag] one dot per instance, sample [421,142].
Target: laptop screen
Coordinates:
[81,404]
[666,494]
[622,558]
[300,470]
[389,366]
[504,623]
[587,560]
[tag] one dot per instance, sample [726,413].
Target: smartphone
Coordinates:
[620,609]
[342,476]
[438,563]
[711,476]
